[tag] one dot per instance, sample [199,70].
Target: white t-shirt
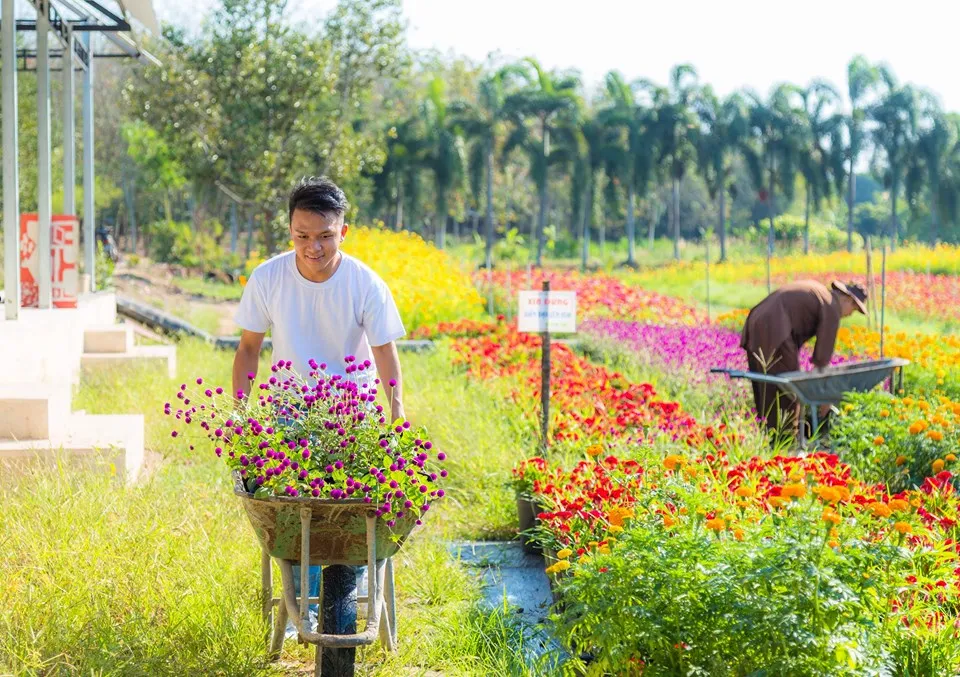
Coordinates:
[325,321]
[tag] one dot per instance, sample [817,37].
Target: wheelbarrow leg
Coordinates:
[279,630]
[390,604]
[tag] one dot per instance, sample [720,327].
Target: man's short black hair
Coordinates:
[319,195]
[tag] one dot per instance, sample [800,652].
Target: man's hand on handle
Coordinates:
[391,378]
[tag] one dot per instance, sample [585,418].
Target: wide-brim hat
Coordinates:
[855,292]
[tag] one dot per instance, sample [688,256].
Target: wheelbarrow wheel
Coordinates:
[339,618]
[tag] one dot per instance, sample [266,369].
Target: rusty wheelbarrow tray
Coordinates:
[815,388]
[310,531]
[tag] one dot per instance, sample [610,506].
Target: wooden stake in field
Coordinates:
[545,380]
[708,277]
[871,297]
[883,295]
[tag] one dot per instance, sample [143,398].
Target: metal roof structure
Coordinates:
[73,24]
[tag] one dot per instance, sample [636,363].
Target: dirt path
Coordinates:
[154,286]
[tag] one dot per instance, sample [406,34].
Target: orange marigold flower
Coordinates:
[794,490]
[776,501]
[901,459]
[716,524]
[903,528]
[744,491]
[951,457]
[738,534]
[833,543]
[668,521]
[673,461]
[878,440]
[938,465]
[594,450]
[915,428]
[831,516]
[880,509]
[899,505]
[935,435]
[884,413]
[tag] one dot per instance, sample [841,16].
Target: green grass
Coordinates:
[162,578]
[217,291]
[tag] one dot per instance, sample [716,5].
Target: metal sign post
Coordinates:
[545,313]
[545,381]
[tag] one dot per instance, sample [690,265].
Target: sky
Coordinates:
[731,43]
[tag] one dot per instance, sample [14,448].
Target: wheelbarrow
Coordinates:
[814,389]
[338,535]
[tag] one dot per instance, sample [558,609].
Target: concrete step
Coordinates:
[111,442]
[33,411]
[113,338]
[161,356]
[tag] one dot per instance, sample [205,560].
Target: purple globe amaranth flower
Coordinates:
[306,454]
[442,456]
[392,382]
[174,433]
[219,391]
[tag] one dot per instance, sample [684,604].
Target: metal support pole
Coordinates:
[44,207]
[11,170]
[89,227]
[69,130]
[545,379]
[234,227]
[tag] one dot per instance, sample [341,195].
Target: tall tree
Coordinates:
[724,130]
[820,121]
[929,161]
[894,134]
[482,124]
[861,80]
[676,128]
[546,97]
[637,143]
[777,129]
[444,153]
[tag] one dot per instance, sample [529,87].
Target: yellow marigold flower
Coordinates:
[903,528]
[594,450]
[744,491]
[604,549]
[878,440]
[848,408]
[565,553]
[880,509]
[951,457]
[614,529]
[938,465]
[583,559]
[908,401]
[562,565]
[901,459]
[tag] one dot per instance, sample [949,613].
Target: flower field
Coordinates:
[427,284]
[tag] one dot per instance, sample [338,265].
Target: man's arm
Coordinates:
[388,368]
[246,361]
[826,337]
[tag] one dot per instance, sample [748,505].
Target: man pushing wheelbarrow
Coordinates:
[778,327]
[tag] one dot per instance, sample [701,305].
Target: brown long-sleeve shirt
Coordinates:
[797,311]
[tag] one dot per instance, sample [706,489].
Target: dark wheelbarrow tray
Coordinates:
[813,389]
[309,531]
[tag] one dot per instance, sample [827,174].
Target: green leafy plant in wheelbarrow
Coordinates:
[325,480]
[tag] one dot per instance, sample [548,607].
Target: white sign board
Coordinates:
[554,311]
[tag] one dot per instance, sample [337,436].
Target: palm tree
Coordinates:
[724,129]
[930,160]
[395,181]
[481,124]
[861,79]
[776,127]
[443,151]
[635,162]
[546,97]
[675,132]
[819,126]
[895,117]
